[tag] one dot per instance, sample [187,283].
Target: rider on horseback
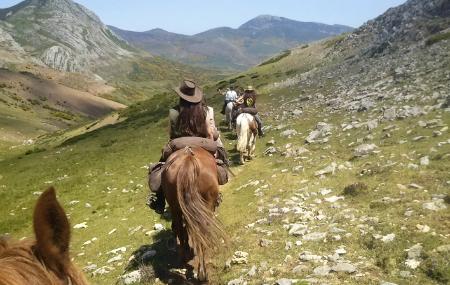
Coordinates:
[247,104]
[190,119]
[230,96]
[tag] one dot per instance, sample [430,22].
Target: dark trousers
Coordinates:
[225,103]
[258,120]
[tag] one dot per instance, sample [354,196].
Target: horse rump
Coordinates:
[191,188]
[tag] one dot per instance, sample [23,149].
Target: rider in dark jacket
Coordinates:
[247,104]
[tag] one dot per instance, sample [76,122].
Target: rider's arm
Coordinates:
[212,130]
[173,116]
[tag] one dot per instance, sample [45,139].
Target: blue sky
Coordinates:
[194,16]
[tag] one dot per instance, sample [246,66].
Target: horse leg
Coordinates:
[202,275]
[181,234]
[241,158]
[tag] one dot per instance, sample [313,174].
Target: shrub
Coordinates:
[35,150]
[276,58]
[354,189]
[437,38]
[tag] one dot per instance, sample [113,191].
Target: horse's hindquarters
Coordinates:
[191,187]
[246,130]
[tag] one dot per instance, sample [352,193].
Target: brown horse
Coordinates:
[45,261]
[191,189]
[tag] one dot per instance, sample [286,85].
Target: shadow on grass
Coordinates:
[160,260]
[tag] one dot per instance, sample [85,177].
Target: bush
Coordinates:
[35,150]
[108,143]
[354,189]
[276,58]
[437,38]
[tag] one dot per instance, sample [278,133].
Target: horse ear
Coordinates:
[52,231]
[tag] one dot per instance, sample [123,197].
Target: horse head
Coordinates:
[46,260]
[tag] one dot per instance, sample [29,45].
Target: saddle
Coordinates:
[156,170]
[180,143]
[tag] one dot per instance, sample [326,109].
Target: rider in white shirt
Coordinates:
[230,96]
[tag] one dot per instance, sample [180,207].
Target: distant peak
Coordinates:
[263,20]
[157,30]
[267,18]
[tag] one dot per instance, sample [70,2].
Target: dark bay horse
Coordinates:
[46,260]
[191,189]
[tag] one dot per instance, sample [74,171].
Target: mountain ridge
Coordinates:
[235,48]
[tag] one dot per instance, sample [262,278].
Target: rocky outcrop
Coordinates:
[63,34]
[61,58]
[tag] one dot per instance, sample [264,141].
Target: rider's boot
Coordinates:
[260,131]
[223,108]
[157,202]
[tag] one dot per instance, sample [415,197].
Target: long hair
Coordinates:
[192,119]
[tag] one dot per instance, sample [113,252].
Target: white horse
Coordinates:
[229,115]
[246,128]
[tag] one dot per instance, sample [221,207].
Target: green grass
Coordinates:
[276,58]
[437,38]
[105,169]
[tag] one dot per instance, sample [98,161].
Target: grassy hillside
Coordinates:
[101,178]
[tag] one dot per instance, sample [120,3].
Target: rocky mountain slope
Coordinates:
[355,186]
[225,47]
[61,34]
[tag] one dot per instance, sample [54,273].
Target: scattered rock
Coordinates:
[322,270]
[344,267]
[288,133]
[435,205]
[334,199]
[405,274]
[270,150]
[132,277]
[330,169]
[299,269]
[252,271]
[158,227]
[321,131]
[238,281]
[387,283]
[298,229]
[389,114]
[82,225]
[388,238]
[264,242]
[315,236]
[308,256]
[284,281]
[364,149]
[424,161]
[239,257]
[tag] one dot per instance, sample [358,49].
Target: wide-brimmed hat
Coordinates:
[189,91]
[249,88]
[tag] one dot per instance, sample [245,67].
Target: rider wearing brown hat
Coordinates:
[190,118]
[247,104]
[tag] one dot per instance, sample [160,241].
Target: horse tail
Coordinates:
[242,129]
[203,229]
